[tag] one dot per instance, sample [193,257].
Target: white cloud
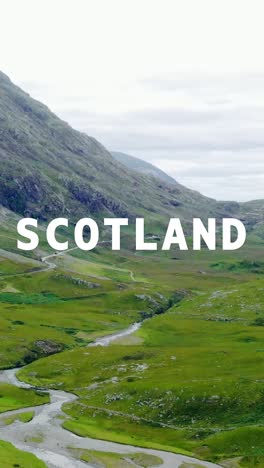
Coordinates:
[176,83]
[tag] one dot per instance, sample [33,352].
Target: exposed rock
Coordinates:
[149,299]
[79,281]
[48,347]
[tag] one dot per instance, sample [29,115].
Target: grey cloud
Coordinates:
[212,167]
[205,82]
[170,116]
[214,143]
[233,128]
[218,151]
[178,141]
[36,87]
[231,188]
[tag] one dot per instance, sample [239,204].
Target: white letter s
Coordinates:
[23,231]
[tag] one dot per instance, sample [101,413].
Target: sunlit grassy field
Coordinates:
[194,385]
[11,457]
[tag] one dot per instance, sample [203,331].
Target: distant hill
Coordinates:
[144,167]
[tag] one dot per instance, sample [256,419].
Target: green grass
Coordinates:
[12,398]
[40,307]
[36,439]
[18,298]
[251,462]
[98,424]
[191,465]
[11,457]
[188,377]
[193,383]
[116,460]
[22,417]
[238,442]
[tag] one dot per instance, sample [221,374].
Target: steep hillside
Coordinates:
[141,166]
[49,169]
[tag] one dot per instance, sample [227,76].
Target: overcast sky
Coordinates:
[179,83]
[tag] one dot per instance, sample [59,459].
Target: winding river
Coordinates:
[53,441]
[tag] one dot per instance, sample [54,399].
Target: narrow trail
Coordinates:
[48,265]
[52,266]
[55,441]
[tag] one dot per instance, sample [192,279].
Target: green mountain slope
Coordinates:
[141,166]
[49,169]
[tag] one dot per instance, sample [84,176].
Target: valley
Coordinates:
[57,447]
[176,378]
[186,381]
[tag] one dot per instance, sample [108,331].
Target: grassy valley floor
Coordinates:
[193,385]
[189,381]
